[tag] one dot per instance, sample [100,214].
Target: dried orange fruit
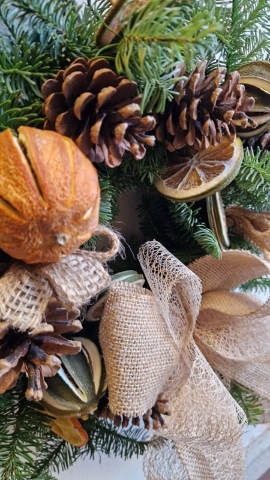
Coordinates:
[203,173]
[49,195]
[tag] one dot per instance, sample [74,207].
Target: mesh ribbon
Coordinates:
[165,341]
[25,289]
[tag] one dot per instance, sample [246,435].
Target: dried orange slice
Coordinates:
[202,174]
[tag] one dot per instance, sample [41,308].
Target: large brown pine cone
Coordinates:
[99,110]
[203,110]
[36,352]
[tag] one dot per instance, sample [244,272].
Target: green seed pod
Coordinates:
[79,384]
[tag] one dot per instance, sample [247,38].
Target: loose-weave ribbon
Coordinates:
[165,340]
[26,289]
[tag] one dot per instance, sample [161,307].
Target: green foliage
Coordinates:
[30,450]
[246,31]
[258,285]
[13,113]
[151,45]
[251,187]
[248,401]
[178,226]
[60,30]
[38,39]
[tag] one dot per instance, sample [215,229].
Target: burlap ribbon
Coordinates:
[162,341]
[25,289]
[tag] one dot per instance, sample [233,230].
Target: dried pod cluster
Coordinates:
[99,110]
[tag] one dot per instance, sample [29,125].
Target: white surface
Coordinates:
[107,469]
[256,440]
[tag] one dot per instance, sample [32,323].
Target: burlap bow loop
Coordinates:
[148,347]
[233,328]
[25,289]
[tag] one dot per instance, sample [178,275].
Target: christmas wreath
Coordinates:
[162,349]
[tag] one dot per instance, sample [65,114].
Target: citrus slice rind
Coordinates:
[206,172]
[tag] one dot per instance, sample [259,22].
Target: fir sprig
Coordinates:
[177,226]
[30,450]
[249,402]
[13,114]
[151,45]
[246,31]
[63,30]
[257,285]
[251,187]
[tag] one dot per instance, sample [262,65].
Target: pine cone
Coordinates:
[261,140]
[35,352]
[203,110]
[151,417]
[98,110]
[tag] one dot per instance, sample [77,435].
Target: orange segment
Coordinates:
[206,172]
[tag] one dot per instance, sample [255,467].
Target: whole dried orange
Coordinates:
[203,173]
[49,195]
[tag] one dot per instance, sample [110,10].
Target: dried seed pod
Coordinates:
[78,385]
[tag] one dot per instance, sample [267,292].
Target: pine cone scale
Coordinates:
[9,377]
[73,86]
[49,87]
[101,79]
[82,103]
[104,97]
[58,345]
[54,106]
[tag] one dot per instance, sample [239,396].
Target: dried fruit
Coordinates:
[202,173]
[255,76]
[78,385]
[49,196]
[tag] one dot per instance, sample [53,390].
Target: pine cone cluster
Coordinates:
[152,417]
[36,352]
[99,110]
[203,109]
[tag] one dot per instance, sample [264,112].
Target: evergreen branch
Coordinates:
[30,450]
[248,401]
[178,226]
[151,45]
[65,30]
[108,439]
[251,187]
[257,285]
[208,241]
[13,113]
[246,31]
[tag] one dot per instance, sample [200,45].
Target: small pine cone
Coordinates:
[99,110]
[203,110]
[37,352]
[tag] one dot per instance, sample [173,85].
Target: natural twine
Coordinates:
[166,340]
[25,289]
